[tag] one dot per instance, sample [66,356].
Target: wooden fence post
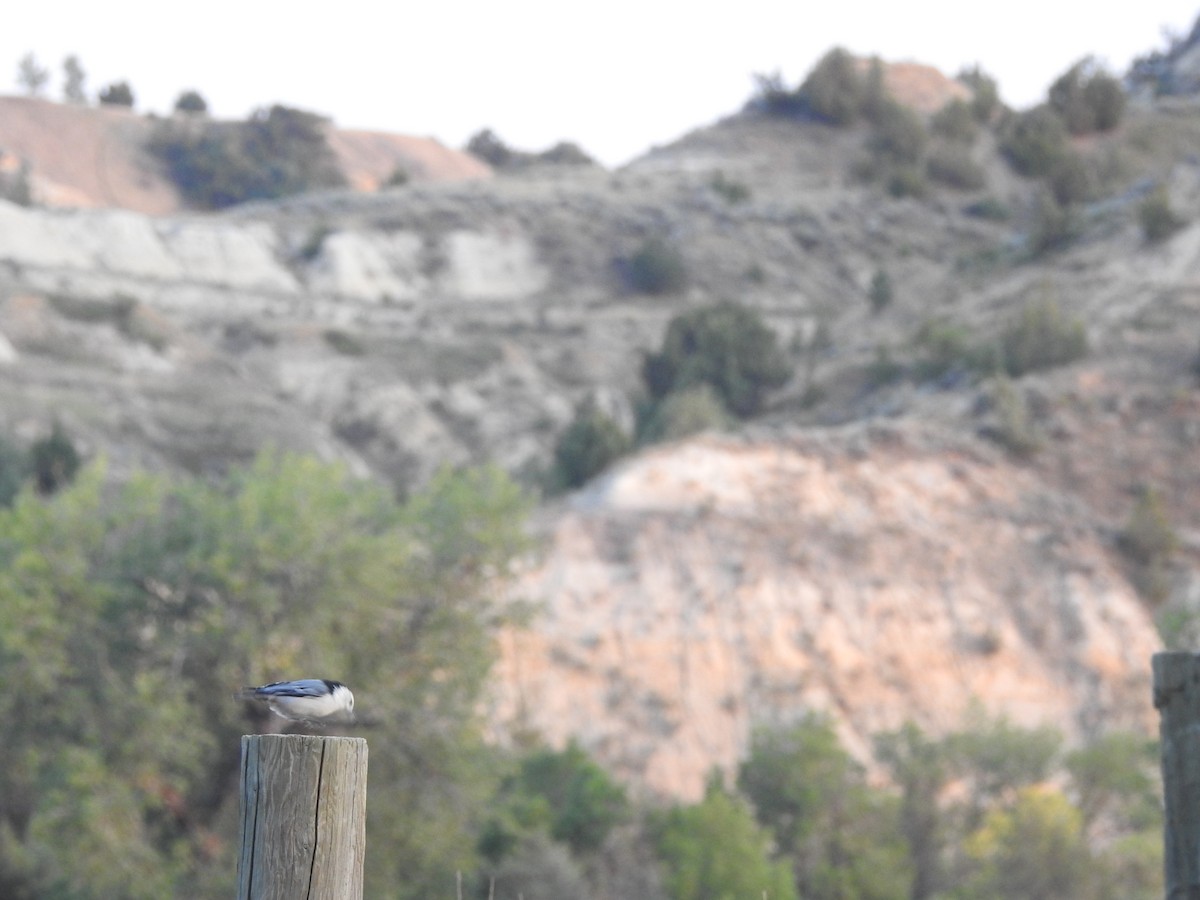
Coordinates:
[1177,699]
[304,814]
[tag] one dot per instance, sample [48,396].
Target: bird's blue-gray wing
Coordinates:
[306,687]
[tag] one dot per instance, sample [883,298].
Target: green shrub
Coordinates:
[1034,141]
[715,849]
[398,178]
[1087,98]
[590,444]
[883,369]
[985,93]
[907,181]
[955,122]
[54,461]
[119,93]
[1014,429]
[1054,226]
[730,191]
[344,342]
[1149,541]
[724,345]
[943,347]
[898,135]
[1070,179]
[773,97]
[881,293]
[657,267]
[834,90]
[952,165]
[685,412]
[565,153]
[990,208]
[277,152]
[1158,220]
[487,146]
[1148,536]
[191,102]
[1042,337]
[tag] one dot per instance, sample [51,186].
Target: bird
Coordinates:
[314,701]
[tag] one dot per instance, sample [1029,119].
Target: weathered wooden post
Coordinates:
[304,814]
[1177,698]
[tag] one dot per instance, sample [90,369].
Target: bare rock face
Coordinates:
[706,588]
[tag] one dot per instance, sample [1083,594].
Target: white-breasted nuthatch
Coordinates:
[316,701]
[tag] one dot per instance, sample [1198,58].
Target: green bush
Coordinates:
[590,444]
[54,461]
[730,191]
[991,208]
[715,849]
[943,347]
[1055,225]
[834,90]
[898,135]
[657,267]
[1148,537]
[1034,141]
[1042,337]
[1014,430]
[955,122]
[1070,178]
[119,93]
[277,152]
[726,346]
[881,293]
[191,102]
[985,93]
[1087,98]
[1158,220]
[953,165]
[773,97]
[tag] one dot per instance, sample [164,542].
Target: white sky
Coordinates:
[615,76]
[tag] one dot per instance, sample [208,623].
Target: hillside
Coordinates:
[866,546]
